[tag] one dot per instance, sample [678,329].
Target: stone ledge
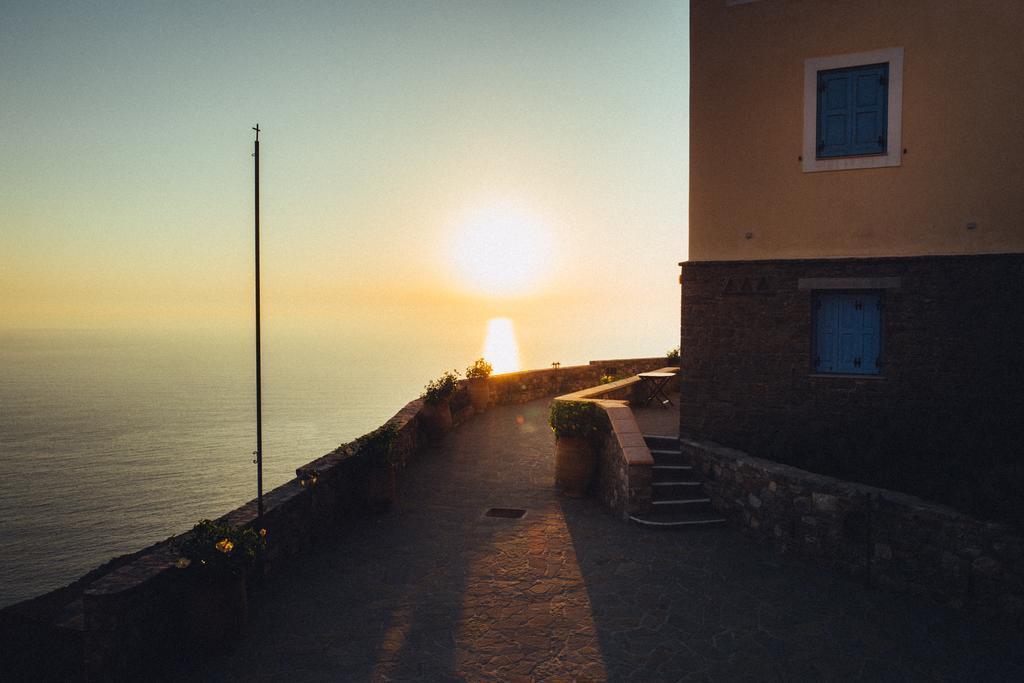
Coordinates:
[625,471]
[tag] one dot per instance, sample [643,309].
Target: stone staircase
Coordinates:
[677,494]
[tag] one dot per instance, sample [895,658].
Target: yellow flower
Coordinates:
[224,545]
[263,533]
[182,562]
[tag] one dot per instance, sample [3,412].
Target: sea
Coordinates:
[110,441]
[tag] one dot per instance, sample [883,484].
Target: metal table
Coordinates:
[655,383]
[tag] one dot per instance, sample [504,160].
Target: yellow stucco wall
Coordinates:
[962,122]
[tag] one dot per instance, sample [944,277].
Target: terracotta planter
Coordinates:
[217,610]
[435,420]
[380,488]
[479,393]
[575,462]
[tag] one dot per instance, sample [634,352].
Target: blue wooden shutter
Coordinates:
[870,109]
[871,334]
[825,333]
[847,333]
[853,111]
[834,121]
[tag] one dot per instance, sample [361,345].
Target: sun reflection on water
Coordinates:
[500,347]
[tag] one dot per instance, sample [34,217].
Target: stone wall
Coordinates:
[887,539]
[520,387]
[623,480]
[132,612]
[952,384]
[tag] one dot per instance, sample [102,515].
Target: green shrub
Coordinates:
[672,354]
[575,418]
[442,388]
[377,447]
[219,549]
[479,369]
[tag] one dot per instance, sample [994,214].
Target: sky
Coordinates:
[409,152]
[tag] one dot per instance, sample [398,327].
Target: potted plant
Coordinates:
[436,414]
[378,451]
[672,356]
[576,425]
[476,382]
[216,557]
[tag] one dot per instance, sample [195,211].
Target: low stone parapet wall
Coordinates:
[132,612]
[886,538]
[623,459]
[624,463]
[520,387]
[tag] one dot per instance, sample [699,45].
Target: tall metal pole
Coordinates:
[259,378]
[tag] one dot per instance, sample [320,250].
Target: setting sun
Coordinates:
[501,250]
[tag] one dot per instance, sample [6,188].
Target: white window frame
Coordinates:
[894,138]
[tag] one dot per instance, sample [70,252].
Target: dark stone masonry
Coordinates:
[952,340]
[884,538]
[943,418]
[942,421]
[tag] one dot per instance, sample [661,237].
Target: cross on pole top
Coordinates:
[257,129]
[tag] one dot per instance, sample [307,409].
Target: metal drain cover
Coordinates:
[506,513]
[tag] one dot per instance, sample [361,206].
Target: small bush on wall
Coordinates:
[479,369]
[575,418]
[442,388]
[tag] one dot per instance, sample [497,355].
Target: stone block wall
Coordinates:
[951,381]
[624,461]
[887,539]
[131,613]
[520,387]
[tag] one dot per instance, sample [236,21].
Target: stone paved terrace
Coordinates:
[435,591]
[658,421]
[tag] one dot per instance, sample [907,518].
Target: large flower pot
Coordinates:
[575,462]
[435,420]
[479,393]
[380,487]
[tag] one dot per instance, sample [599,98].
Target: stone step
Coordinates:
[674,490]
[655,441]
[671,473]
[691,520]
[681,502]
[666,457]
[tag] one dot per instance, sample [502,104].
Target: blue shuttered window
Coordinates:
[847,332]
[853,114]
